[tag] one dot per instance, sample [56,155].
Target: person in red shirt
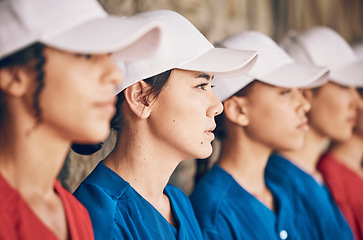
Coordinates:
[342,170]
[57,86]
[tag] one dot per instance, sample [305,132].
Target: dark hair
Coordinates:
[156,83]
[221,134]
[360,91]
[23,58]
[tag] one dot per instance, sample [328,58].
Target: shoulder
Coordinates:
[281,170]
[211,196]
[212,187]
[100,193]
[328,164]
[101,183]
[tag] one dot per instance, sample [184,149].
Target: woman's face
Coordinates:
[276,116]
[182,117]
[78,98]
[334,111]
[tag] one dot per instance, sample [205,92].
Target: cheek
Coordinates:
[329,118]
[180,126]
[68,107]
[276,128]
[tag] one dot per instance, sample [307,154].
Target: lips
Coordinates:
[352,120]
[107,106]
[209,133]
[303,125]
[212,128]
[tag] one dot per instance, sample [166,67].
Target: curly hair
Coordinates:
[23,58]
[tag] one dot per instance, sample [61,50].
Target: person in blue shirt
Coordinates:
[263,110]
[334,107]
[166,109]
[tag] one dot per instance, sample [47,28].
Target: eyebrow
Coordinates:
[205,75]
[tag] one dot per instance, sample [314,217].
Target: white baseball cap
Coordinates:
[80,26]
[324,47]
[184,47]
[358,49]
[274,67]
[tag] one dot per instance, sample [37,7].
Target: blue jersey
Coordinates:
[225,210]
[117,211]
[319,216]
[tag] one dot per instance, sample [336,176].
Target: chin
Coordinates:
[342,137]
[292,145]
[94,138]
[206,153]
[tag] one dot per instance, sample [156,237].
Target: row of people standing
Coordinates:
[258,195]
[60,90]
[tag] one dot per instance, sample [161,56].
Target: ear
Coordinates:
[14,81]
[236,111]
[138,100]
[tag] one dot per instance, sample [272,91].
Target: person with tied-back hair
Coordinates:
[57,83]
[334,107]
[263,110]
[341,166]
[166,109]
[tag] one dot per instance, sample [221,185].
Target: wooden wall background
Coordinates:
[217,19]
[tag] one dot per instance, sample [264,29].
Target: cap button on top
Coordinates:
[283,234]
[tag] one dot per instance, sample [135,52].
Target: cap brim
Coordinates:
[225,88]
[296,75]
[222,62]
[292,75]
[350,75]
[128,38]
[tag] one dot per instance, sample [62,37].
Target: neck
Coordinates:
[245,159]
[140,161]
[307,157]
[31,158]
[349,153]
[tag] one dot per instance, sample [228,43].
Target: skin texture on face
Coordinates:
[78,100]
[334,110]
[182,117]
[358,129]
[275,116]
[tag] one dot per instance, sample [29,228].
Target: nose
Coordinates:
[216,107]
[111,72]
[303,102]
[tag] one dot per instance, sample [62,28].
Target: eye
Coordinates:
[203,86]
[344,87]
[285,91]
[85,56]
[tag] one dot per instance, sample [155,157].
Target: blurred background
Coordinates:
[217,19]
